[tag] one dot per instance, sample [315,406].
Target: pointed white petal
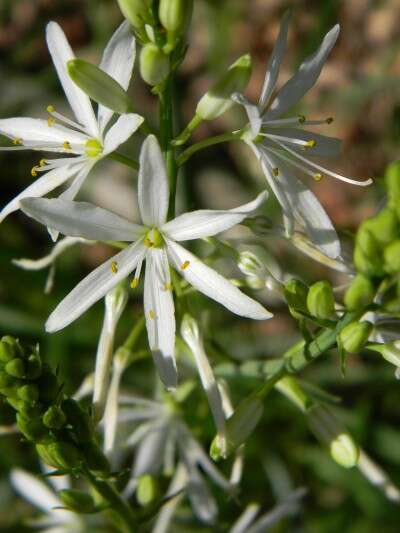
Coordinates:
[307,210]
[275,61]
[118,60]
[325,146]
[153,185]
[61,53]
[160,315]
[305,77]
[38,131]
[245,519]
[149,456]
[124,127]
[252,111]
[81,219]
[96,285]
[213,285]
[201,498]
[49,181]
[207,222]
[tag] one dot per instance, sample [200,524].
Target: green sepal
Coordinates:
[33,429]
[154,65]
[65,454]
[354,336]
[77,501]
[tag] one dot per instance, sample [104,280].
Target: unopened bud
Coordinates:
[366,240]
[147,490]
[100,86]
[254,269]
[175,16]
[296,296]
[330,433]
[389,351]
[78,419]
[77,501]
[16,368]
[360,293]
[138,12]
[320,300]
[54,417]
[44,454]
[95,459]
[218,100]
[392,180]
[8,349]
[65,454]
[384,226]
[29,393]
[392,257]
[33,429]
[369,265]
[354,336]
[154,64]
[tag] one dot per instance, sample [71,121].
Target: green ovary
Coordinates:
[94,148]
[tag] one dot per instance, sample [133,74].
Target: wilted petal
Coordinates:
[153,185]
[117,61]
[213,285]
[61,53]
[207,222]
[160,315]
[81,219]
[120,132]
[305,77]
[96,285]
[275,61]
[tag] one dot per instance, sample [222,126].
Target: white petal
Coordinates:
[160,315]
[207,222]
[81,219]
[61,53]
[153,185]
[325,146]
[124,127]
[275,61]
[38,131]
[213,285]
[305,77]
[307,210]
[149,456]
[201,498]
[49,181]
[245,519]
[252,111]
[96,285]
[118,60]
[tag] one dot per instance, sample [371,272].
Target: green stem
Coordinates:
[211,141]
[115,156]
[134,335]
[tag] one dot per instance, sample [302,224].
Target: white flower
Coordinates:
[157,242]
[82,142]
[46,500]
[280,143]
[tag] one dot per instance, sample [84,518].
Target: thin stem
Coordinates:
[211,141]
[115,156]
[134,335]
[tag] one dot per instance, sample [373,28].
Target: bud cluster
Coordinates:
[316,300]
[61,430]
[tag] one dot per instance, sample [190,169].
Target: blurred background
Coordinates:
[360,88]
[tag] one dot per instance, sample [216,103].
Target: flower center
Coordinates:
[93,148]
[154,239]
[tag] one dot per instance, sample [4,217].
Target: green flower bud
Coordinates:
[175,16]
[9,385]
[45,455]
[147,490]
[354,336]
[78,419]
[389,351]
[392,257]
[33,367]
[371,266]
[29,410]
[16,368]
[99,85]
[54,417]
[154,64]
[49,386]
[320,300]
[217,100]
[32,429]
[392,180]
[8,349]
[330,433]
[95,459]
[77,501]
[239,427]
[65,454]
[366,241]
[360,293]
[296,296]
[384,226]
[138,12]
[29,393]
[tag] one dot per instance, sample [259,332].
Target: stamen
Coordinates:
[152,314]
[329,120]
[302,119]
[50,122]
[291,140]
[67,145]
[318,176]
[134,283]
[275,171]
[148,243]
[311,143]
[34,171]
[168,287]
[17,141]
[185,265]
[114,267]
[55,115]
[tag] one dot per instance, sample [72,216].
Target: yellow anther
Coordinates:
[275,171]
[168,286]
[134,283]
[302,119]
[152,314]
[114,267]
[42,163]
[50,122]
[185,265]
[311,143]
[34,171]
[67,145]
[148,243]
[17,141]
[50,109]
[93,148]
[318,176]
[329,120]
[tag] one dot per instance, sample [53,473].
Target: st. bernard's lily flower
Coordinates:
[157,242]
[82,142]
[281,144]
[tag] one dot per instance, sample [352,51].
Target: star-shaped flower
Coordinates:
[157,242]
[82,142]
[281,144]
